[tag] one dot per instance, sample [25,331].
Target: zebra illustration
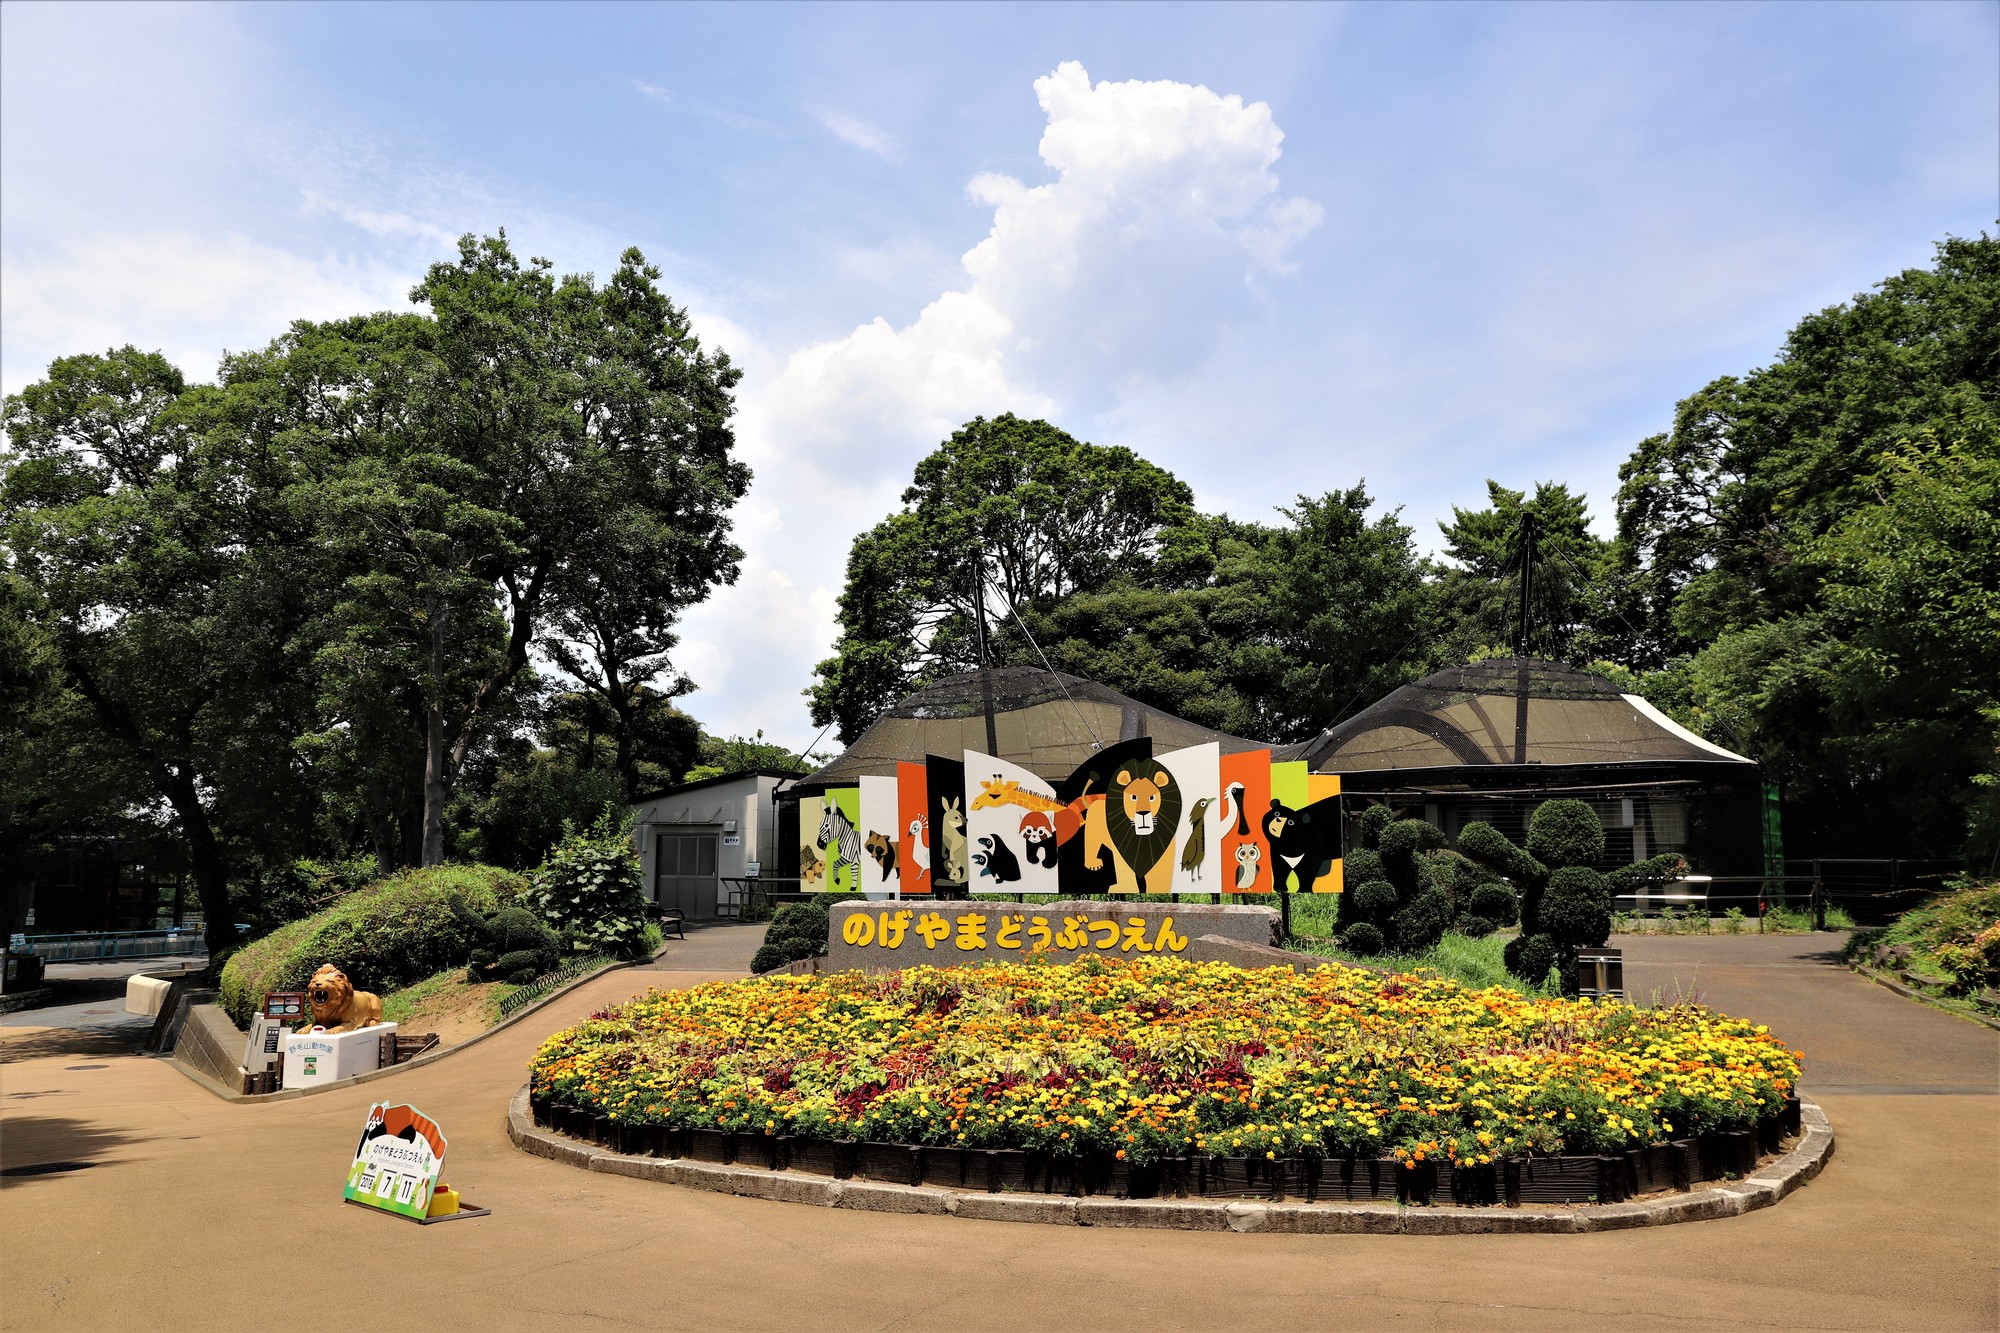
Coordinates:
[841,841]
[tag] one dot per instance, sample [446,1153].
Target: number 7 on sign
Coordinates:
[385,1184]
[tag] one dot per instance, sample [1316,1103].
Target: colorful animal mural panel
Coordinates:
[1010,827]
[879,836]
[1198,771]
[1246,795]
[913,852]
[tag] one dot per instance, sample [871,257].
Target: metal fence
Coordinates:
[93,945]
[528,992]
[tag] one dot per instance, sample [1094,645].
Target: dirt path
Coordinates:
[177,1199]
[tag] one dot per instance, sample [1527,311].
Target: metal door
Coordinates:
[684,873]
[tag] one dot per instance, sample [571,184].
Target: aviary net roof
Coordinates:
[1475,715]
[1046,721]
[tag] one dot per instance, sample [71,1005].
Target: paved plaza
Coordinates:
[178,1210]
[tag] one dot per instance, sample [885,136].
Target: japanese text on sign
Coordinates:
[976,932]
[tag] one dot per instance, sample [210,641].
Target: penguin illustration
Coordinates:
[997,859]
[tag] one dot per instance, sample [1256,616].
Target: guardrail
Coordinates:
[94,945]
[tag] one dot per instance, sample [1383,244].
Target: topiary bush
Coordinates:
[1530,957]
[798,930]
[1496,902]
[1474,927]
[1363,939]
[512,945]
[1373,820]
[1361,866]
[1423,921]
[390,934]
[1563,903]
[1565,833]
[1374,903]
[589,888]
[1576,909]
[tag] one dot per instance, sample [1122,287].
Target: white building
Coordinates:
[699,843]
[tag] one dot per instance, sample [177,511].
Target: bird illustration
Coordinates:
[1234,796]
[1196,850]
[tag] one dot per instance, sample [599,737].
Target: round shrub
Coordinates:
[1565,833]
[1363,865]
[1496,902]
[512,945]
[1474,927]
[589,888]
[1375,902]
[1576,908]
[1407,837]
[1373,820]
[797,930]
[1363,939]
[390,934]
[1530,957]
[1423,923]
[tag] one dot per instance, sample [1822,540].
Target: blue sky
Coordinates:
[1276,249]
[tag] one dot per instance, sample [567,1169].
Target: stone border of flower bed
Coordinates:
[1764,1185]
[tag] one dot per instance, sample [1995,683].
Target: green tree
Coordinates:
[537,463]
[1045,515]
[165,587]
[1808,553]
[1549,536]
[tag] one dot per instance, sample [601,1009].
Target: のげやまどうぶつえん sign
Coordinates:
[892,935]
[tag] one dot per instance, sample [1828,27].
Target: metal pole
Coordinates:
[985,662]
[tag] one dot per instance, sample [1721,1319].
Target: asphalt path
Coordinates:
[172,1209]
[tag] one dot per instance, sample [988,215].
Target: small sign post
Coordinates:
[397,1163]
[1600,974]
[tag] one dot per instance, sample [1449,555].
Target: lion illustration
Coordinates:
[1140,834]
[337,1006]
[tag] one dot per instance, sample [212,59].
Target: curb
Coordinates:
[1760,1189]
[1921,998]
[16,1001]
[429,1057]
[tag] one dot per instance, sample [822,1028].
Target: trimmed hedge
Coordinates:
[391,934]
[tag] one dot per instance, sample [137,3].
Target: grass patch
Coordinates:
[1474,963]
[400,1006]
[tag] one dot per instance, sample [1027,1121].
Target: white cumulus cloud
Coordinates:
[1122,271]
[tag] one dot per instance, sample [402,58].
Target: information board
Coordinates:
[397,1162]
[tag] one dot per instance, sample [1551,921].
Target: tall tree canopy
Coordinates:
[1811,550]
[323,581]
[1098,561]
[1050,516]
[1546,536]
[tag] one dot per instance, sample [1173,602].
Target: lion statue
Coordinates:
[337,1006]
[1137,822]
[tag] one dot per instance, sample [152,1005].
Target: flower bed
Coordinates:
[1165,1065]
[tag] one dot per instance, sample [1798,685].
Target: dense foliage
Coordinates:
[1162,1058]
[297,605]
[393,933]
[1950,945]
[1097,562]
[798,930]
[590,890]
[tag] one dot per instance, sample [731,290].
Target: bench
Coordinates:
[672,921]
